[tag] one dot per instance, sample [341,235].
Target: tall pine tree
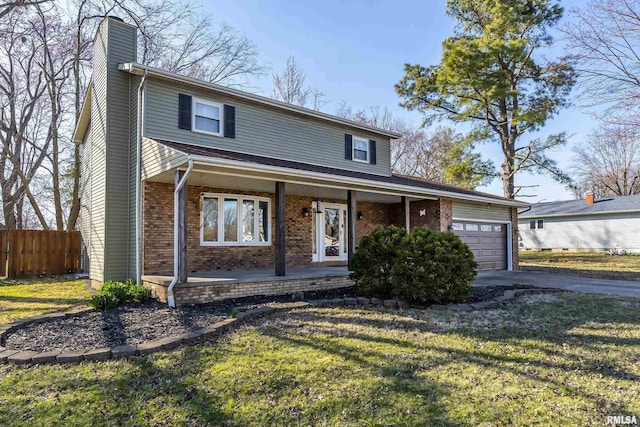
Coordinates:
[492,76]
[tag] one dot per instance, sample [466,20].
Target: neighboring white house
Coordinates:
[588,225]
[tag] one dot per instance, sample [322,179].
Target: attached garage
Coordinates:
[488,242]
[485,229]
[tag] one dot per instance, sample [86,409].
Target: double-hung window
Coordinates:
[207,117]
[533,222]
[234,220]
[360,149]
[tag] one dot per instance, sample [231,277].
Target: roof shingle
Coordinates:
[580,207]
[393,179]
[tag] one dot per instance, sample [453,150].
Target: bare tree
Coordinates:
[290,87]
[45,67]
[608,162]
[604,40]
[439,156]
[22,86]
[8,6]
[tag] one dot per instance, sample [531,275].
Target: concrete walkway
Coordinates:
[541,279]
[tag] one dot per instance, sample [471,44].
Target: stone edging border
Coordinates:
[18,357]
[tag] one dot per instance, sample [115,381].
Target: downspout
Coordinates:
[170,299]
[140,125]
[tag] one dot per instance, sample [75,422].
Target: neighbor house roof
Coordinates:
[580,207]
[432,188]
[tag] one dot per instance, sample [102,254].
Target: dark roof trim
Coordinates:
[139,69]
[431,188]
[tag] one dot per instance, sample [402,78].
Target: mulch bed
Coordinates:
[138,323]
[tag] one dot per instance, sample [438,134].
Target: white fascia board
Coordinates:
[84,118]
[399,188]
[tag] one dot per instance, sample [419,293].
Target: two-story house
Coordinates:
[204,192]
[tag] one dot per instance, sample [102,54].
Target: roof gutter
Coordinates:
[170,298]
[140,69]
[404,189]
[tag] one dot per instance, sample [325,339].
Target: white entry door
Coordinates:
[329,232]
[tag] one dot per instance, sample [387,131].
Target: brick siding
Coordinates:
[157,231]
[437,214]
[190,294]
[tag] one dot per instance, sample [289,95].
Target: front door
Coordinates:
[329,232]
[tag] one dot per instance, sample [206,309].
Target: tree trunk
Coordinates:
[508,167]
[75,199]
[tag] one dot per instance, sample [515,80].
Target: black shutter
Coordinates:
[229,121]
[372,152]
[348,146]
[184,111]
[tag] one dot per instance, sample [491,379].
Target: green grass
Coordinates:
[588,264]
[546,360]
[20,299]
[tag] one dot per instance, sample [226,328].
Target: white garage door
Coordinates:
[487,241]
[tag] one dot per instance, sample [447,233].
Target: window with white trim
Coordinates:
[234,220]
[207,117]
[360,149]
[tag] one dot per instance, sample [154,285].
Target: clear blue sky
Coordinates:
[355,51]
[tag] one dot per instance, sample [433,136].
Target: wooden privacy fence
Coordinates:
[35,252]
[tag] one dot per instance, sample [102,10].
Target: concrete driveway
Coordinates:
[541,279]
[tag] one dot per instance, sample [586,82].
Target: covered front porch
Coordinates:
[214,228]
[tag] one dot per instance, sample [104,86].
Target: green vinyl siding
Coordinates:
[481,211]
[122,47]
[96,155]
[158,158]
[107,153]
[133,143]
[262,130]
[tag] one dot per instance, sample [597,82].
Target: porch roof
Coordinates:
[395,182]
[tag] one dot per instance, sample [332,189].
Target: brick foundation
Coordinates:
[197,294]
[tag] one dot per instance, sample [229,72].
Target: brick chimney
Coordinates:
[589,197]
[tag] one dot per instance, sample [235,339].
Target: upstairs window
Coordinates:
[540,224]
[532,224]
[360,149]
[207,117]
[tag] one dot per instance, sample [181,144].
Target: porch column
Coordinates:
[280,230]
[351,225]
[406,213]
[182,229]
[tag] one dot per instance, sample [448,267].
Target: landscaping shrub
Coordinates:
[373,260]
[103,301]
[140,293]
[119,290]
[433,267]
[111,294]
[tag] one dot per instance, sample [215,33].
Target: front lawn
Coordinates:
[567,359]
[22,298]
[588,264]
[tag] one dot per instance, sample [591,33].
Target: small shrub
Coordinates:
[433,267]
[118,289]
[140,293]
[103,301]
[373,260]
[111,294]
